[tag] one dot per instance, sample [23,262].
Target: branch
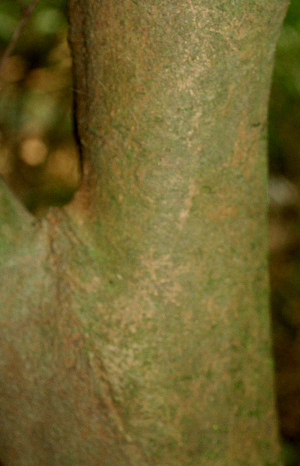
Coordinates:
[27,12]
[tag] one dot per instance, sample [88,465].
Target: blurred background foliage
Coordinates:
[284,223]
[39,160]
[38,155]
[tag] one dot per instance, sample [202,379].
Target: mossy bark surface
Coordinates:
[134,325]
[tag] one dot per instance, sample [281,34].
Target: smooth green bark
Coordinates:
[134,322]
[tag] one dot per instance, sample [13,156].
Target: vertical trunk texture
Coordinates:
[134,326]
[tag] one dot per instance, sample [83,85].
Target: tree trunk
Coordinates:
[134,322]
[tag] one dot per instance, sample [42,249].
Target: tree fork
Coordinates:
[134,322]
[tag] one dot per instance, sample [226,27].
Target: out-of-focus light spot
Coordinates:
[33,151]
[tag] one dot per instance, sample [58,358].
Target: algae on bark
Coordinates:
[134,321]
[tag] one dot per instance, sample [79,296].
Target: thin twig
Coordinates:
[27,12]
